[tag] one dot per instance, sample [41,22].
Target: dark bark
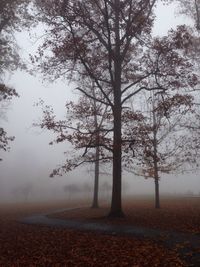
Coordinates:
[155,162]
[156,179]
[95,203]
[116,205]
[157,196]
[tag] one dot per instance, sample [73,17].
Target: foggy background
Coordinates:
[24,171]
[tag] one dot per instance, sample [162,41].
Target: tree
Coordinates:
[84,128]
[106,189]
[24,190]
[105,41]
[71,190]
[12,13]
[164,140]
[192,9]
[154,129]
[6,94]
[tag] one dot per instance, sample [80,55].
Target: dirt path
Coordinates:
[187,245]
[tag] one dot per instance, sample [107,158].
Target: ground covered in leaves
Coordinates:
[179,214]
[28,245]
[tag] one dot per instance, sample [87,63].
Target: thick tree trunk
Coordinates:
[116,207]
[95,203]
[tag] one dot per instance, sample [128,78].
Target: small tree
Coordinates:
[163,138]
[154,129]
[84,127]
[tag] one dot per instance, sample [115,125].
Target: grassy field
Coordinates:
[29,245]
[177,213]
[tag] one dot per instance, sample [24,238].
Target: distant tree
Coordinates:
[71,190]
[106,189]
[189,193]
[24,190]
[87,188]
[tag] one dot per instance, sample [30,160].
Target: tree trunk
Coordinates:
[95,203]
[116,206]
[156,179]
[155,162]
[157,196]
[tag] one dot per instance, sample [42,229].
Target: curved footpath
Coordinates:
[188,245]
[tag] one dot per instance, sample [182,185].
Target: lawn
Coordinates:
[177,213]
[30,245]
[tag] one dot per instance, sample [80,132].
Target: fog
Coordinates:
[24,171]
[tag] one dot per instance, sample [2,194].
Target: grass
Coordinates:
[29,245]
[178,214]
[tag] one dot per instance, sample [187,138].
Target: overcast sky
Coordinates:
[31,159]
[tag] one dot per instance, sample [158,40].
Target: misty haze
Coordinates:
[99,133]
